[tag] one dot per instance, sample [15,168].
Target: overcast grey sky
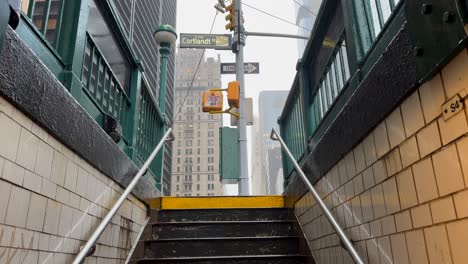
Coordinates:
[277,56]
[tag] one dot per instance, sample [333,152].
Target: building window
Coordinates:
[198,151]
[178,179]
[177,187]
[371,16]
[198,187]
[210,142]
[198,177]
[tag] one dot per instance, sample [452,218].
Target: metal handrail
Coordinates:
[100,229]
[344,239]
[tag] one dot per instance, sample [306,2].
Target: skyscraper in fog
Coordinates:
[196,148]
[306,13]
[270,107]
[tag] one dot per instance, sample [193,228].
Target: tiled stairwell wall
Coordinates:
[402,193]
[51,200]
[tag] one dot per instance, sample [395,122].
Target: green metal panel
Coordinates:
[4,17]
[229,154]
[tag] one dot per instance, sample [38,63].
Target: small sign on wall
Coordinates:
[452,107]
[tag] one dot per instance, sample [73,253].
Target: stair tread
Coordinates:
[224,222]
[230,257]
[220,238]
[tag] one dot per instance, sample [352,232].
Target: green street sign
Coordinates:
[205,41]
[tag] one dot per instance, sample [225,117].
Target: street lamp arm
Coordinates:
[274,35]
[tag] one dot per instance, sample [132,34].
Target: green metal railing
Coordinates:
[46,16]
[293,128]
[333,81]
[102,86]
[150,131]
[371,17]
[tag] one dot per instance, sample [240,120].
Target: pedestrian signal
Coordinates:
[212,101]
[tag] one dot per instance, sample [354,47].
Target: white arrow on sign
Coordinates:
[249,68]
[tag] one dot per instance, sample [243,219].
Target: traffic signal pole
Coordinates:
[239,37]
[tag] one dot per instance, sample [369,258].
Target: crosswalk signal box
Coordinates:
[212,101]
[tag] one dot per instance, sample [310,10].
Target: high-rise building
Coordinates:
[195,161]
[306,13]
[139,19]
[270,107]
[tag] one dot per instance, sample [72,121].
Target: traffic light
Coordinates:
[233,94]
[231,17]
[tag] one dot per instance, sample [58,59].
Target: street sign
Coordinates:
[205,41]
[249,68]
[249,113]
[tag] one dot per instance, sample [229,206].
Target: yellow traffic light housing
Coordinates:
[231,17]
[233,94]
[212,101]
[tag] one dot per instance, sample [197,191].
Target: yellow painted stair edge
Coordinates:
[175,203]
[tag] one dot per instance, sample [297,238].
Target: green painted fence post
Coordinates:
[72,44]
[134,112]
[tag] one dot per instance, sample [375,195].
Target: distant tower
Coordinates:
[271,105]
[195,159]
[306,19]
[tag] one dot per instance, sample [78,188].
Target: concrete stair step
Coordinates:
[223,229]
[222,246]
[254,214]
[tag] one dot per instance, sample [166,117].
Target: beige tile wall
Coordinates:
[402,194]
[51,199]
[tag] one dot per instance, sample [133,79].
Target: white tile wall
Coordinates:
[51,199]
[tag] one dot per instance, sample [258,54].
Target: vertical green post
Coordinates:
[164,50]
[72,43]
[134,112]
[165,36]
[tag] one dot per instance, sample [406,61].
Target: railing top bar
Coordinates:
[97,233]
[349,246]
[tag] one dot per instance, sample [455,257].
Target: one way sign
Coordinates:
[249,68]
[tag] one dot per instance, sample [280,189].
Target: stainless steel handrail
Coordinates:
[349,246]
[95,236]
[137,239]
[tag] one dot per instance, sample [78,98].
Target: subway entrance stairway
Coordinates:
[222,230]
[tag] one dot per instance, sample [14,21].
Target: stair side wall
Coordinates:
[402,193]
[51,200]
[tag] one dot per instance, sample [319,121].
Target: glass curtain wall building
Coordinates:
[306,13]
